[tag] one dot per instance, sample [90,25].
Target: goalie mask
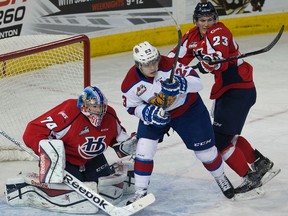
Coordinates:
[145,54]
[204,9]
[93,104]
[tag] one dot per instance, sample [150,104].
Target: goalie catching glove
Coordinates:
[127,147]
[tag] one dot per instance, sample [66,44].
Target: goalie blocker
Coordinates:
[27,190]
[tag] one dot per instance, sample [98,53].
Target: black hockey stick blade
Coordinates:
[265,49]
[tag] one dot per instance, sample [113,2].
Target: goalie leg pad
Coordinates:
[129,184]
[22,191]
[51,161]
[126,166]
[114,186]
[111,187]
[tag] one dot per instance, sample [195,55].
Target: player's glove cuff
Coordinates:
[170,88]
[183,83]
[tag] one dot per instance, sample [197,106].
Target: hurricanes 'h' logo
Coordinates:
[92,147]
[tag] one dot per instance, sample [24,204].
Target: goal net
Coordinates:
[37,72]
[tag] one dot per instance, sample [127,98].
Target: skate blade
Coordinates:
[270,175]
[252,194]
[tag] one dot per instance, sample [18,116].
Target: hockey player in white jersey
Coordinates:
[144,90]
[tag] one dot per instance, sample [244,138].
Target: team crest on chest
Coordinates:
[158,99]
[92,147]
[140,90]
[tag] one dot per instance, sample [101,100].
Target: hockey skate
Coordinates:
[264,167]
[250,188]
[225,186]
[251,181]
[138,195]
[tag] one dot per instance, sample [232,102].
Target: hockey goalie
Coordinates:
[73,137]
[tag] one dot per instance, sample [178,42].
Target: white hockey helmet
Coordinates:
[145,53]
[93,104]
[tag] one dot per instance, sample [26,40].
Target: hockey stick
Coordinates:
[177,49]
[90,195]
[175,57]
[244,55]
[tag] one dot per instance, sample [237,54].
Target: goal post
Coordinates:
[37,72]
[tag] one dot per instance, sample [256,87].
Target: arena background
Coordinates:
[115,26]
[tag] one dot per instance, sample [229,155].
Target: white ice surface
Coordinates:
[180,183]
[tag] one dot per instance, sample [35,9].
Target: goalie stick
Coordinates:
[90,195]
[244,55]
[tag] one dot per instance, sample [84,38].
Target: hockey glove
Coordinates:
[127,147]
[170,89]
[204,66]
[183,83]
[178,86]
[155,116]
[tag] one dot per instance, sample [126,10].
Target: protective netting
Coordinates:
[36,73]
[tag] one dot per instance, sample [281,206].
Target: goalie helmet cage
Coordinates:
[37,73]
